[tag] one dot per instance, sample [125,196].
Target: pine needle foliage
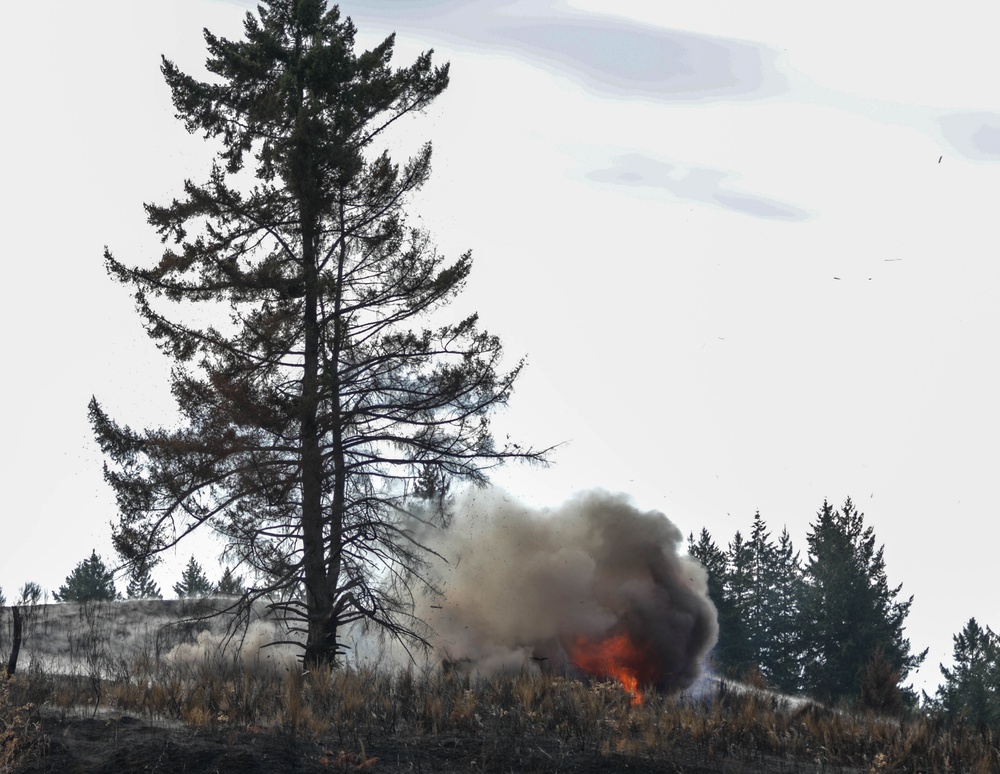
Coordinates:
[90,580]
[230,585]
[308,415]
[193,582]
[141,584]
[971,687]
[849,611]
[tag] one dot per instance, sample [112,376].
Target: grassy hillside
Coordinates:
[147,686]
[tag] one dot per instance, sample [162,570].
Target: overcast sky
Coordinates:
[749,252]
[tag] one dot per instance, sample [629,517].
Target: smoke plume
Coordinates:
[595,586]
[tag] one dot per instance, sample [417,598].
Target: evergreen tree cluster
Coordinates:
[830,626]
[92,580]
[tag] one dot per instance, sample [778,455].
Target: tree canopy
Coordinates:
[230,585]
[833,628]
[193,582]
[309,414]
[90,580]
[971,687]
[849,611]
[755,587]
[142,586]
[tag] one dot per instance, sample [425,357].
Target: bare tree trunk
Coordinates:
[15,648]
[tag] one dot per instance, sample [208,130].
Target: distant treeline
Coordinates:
[91,580]
[831,626]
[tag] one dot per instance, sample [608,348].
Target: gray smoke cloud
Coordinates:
[527,586]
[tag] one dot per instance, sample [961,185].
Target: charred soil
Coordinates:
[121,744]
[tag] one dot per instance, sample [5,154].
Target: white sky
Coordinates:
[750,253]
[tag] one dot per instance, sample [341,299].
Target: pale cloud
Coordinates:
[705,185]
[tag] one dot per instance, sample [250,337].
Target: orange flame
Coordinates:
[616,657]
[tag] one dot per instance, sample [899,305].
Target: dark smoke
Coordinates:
[522,586]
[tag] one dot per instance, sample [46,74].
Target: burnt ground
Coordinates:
[118,745]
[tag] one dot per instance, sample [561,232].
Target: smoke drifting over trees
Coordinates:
[552,585]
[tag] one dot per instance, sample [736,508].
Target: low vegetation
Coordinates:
[371,716]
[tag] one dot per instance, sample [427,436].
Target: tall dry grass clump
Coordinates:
[355,707]
[19,733]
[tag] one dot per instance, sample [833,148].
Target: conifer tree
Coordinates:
[784,667]
[90,580]
[230,585]
[849,611]
[737,655]
[971,687]
[713,559]
[327,390]
[142,586]
[193,582]
[761,602]
[756,587]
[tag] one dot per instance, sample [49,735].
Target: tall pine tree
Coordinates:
[327,391]
[761,601]
[849,612]
[736,656]
[713,559]
[784,667]
[971,687]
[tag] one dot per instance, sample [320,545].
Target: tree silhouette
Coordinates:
[90,580]
[142,586]
[193,582]
[971,687]
[849,611]
[230,585]
[785,662]
[329,390]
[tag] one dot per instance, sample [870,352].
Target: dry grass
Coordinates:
[355,707]
[18,722]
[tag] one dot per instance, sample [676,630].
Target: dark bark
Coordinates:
[15,648]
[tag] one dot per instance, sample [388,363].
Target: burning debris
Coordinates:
[594,587]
